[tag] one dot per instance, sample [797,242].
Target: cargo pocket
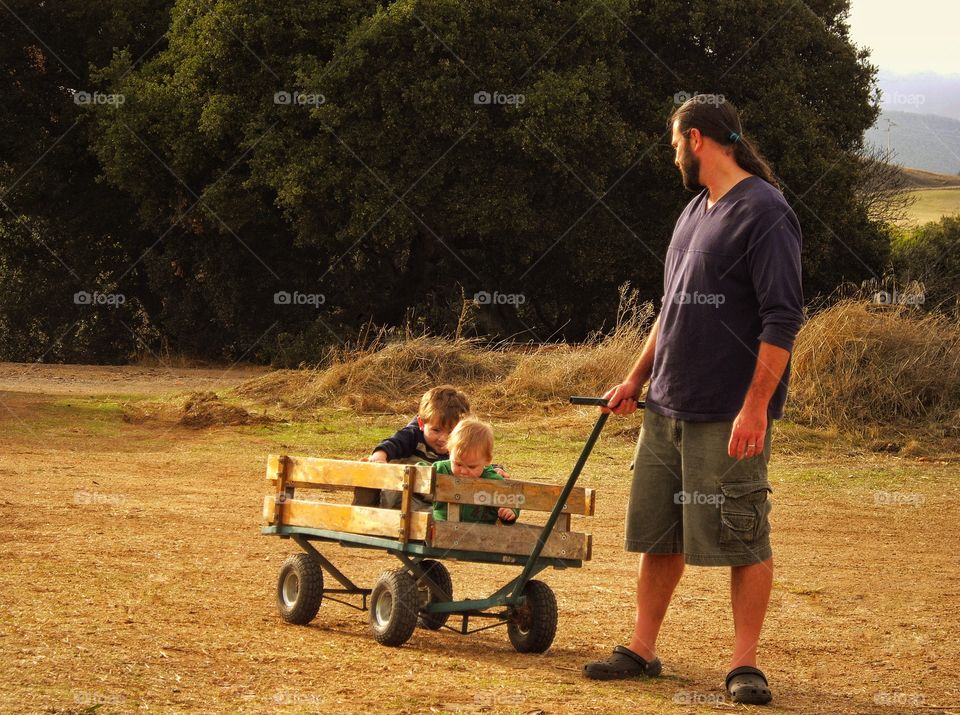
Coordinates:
[743,513]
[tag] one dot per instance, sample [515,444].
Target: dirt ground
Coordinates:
[133,576]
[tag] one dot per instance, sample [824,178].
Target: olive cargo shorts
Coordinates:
[688,496]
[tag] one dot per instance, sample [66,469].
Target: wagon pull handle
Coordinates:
[521,581]
[597,401]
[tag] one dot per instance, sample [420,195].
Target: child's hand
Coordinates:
[506,514]
[499,470]
[378,456]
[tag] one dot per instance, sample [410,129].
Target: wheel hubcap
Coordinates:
[424,594]
[290,589]
[522,619]
[383,608]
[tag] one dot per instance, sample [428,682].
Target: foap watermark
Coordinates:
[298,99]
[83,297]
[82,498]
[294,697]
[688,697]
[498,698]
[898,499]
[83,98]
[96,698]
[682,96]
[698,298]
[498,499]
[684,497]
[898,699]
[895,297]
[484,97]
[284,297]
[901,99]
[498,298]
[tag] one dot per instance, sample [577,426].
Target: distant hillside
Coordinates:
[925,93]
[919,179]
[920,141]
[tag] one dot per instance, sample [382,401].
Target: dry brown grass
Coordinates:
[196,410]
[546,377]
[858,364]
[387,376]
[396,375]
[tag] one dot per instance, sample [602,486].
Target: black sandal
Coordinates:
[748,685]
[624,663]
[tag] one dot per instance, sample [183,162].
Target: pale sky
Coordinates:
[916,36]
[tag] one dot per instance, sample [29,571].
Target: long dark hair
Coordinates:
[716,117]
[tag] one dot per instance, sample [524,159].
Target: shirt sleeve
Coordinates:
[773,257]
[402,444]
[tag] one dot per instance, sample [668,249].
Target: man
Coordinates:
[717,360]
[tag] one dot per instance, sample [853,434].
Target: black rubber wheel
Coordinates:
[299,589]
[439,575]
[394,605]
[533,625]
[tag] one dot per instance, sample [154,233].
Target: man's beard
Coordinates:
[690,172]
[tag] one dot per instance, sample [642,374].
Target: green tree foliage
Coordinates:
[930,255]
[393,157]
[61,231]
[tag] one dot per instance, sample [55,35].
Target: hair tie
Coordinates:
[734,137]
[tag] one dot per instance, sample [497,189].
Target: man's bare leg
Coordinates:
[658,577]
[749,595]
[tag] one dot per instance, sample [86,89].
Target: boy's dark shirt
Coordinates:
[409,442]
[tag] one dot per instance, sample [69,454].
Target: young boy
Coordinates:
[471,451]
[424,439]
[441,408]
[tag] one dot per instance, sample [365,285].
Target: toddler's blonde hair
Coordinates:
[471,436]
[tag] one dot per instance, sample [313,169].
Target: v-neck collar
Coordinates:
[707,209]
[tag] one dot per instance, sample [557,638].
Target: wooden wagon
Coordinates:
[421,589]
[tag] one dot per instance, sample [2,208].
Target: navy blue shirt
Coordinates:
[731,280]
